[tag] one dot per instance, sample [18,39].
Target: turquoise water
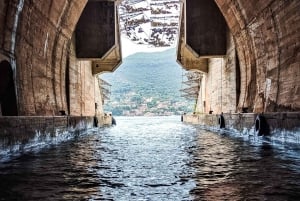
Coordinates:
[153,158]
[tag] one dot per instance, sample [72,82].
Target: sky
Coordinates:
[129,47]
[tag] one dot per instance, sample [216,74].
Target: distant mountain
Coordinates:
[147,84]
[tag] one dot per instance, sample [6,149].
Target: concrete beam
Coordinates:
[112,59]
[186,56]
[205,28]
[109,63]
[103,46]
[95,30]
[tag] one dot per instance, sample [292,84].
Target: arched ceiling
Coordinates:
[266,34]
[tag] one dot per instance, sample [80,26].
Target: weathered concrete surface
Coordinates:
[282,127]
[205,28]
[237,121]
[219,87]
[186,56]
[98,37]
[95,30]
[23,133]
[36,39]
[83,87]
[26,133]
[266,34]
[105,120]
[267,65]
[23,127]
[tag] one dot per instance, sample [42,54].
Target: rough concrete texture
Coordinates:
[91,40]
[105,120]
[266,38]
[186,56]
[237,121]
[279,124]
[24,133]
[83,87]
[35,37]
[24,127]
[205,28]
[219,86]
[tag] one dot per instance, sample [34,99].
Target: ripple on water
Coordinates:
[157,158]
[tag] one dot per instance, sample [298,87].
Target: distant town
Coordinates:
[133,106]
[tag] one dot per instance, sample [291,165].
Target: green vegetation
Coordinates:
[147,84]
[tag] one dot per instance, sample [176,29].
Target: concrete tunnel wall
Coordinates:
[35,37]
[219,91]
[266,37]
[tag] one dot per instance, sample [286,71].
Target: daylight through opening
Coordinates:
[149,81]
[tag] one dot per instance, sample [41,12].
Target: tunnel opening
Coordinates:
[246,71]
[8,100]
[207,38]
[149,33]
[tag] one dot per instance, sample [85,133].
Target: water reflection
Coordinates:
[231,170]
[153,159]
[214,162]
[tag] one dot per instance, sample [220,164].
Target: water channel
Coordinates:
[154,158]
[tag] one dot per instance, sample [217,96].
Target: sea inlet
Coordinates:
[154,158]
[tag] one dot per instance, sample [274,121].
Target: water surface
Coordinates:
[153,158]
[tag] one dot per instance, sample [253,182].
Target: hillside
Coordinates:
[147,84]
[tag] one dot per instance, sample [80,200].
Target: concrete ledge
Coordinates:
[283,127]
[28,125]
[21,133]
[105,120]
